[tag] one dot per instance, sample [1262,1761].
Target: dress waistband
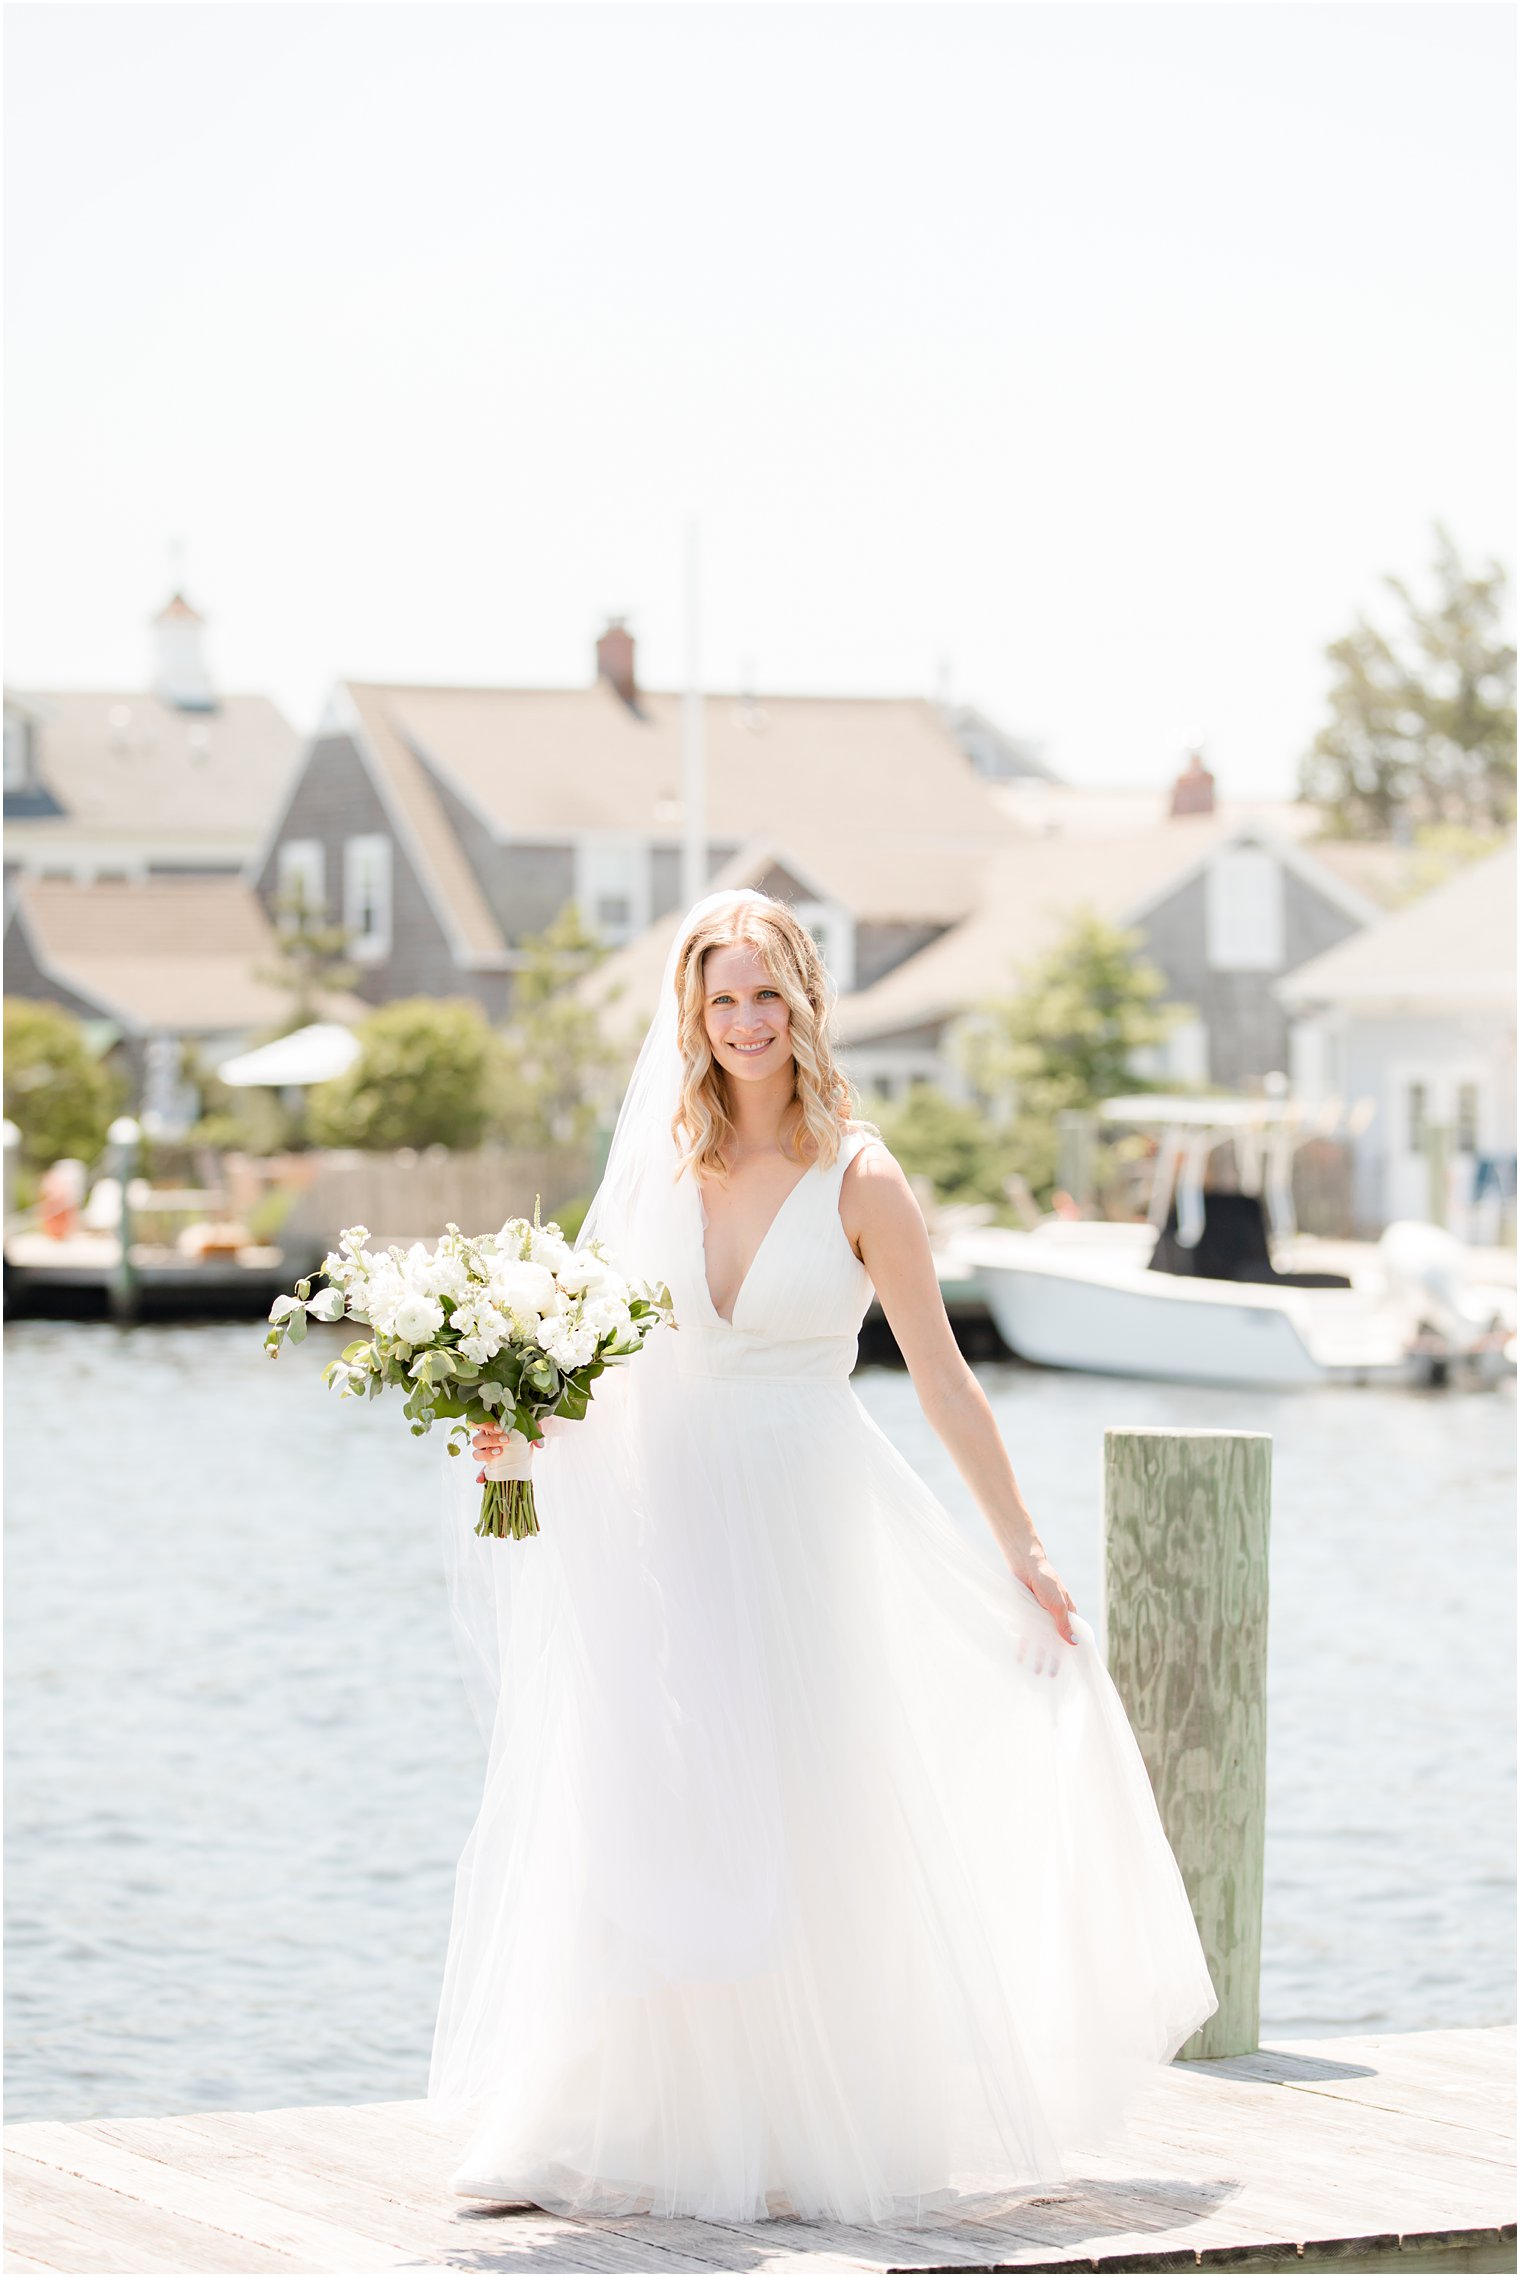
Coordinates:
[733,1358]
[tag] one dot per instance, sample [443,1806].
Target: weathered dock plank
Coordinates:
[1383,2153]
[89,2228]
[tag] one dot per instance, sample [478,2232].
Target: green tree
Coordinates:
[1422,718]
[557,1067]
[428,1074]
[1065,1038]
[951,1142]
[1438,851]
[58,1094]
[310,963]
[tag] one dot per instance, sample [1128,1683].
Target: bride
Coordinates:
[817,1871]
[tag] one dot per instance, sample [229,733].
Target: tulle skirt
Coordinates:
[814,1872]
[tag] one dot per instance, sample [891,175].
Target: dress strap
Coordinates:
[853,1143]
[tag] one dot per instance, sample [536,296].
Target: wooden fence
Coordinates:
[409,1196]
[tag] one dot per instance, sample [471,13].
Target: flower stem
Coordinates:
[507,1510]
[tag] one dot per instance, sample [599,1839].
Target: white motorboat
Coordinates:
[1203,1292]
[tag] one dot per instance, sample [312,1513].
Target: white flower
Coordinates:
[569,1344]
[581,1272]
[526,1291]
[483,1332]
[607,1316]
[548,1247]
[514,1238]
[417,1319]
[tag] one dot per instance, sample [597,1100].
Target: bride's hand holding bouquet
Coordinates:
[499,1335]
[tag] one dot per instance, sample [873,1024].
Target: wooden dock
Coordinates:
[1386,2153]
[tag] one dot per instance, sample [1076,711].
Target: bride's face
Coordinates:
[745,1014]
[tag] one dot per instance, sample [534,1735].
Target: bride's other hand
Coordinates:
[1045,1585]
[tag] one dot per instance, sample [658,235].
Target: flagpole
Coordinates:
[693,758]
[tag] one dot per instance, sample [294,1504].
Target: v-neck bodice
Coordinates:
[798,1309]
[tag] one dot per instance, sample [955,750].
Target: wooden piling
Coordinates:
[1186,1519]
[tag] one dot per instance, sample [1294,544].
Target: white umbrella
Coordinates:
[311,1055]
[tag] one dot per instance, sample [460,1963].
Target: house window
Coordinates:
[1467,1118]
[615,889]
[367,897]
[301,888]
[834,933]
[1243,911]
[1417,1118]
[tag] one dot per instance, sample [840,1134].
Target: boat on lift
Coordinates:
[1200,1292]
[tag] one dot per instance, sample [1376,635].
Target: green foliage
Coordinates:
[428,1074]
[253,1120]
[557,1068]
[1065,1038]
[1439,850]
[310,960]
[1422,719]
[57,1093]
[951,1142]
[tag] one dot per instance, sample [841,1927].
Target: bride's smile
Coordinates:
[745,1013]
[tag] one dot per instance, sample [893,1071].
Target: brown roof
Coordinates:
[138,773]
[174,953]
[874,786]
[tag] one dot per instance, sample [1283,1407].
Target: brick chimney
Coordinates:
[1193,791]
[614,661]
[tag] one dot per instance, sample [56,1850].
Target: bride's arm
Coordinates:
[885,1226]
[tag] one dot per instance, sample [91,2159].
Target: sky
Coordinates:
[1092,364]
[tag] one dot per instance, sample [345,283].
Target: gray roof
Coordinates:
[1455,943]
[1028,894]
[144,778]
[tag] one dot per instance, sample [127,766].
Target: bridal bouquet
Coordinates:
[505,1330]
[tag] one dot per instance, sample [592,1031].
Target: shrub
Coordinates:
[428,1074]
[947,1141]
[59,1095]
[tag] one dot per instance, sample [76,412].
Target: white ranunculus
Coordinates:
[417,1319]
[527,1291]
[581,1272]
[548,1247]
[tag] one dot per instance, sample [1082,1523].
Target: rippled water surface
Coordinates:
[241,1769]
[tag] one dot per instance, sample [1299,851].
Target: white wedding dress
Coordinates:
[814,1872]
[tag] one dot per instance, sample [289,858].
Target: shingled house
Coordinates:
[442,826]
[177,779]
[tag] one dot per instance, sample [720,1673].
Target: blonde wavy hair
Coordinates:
[823,1099]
